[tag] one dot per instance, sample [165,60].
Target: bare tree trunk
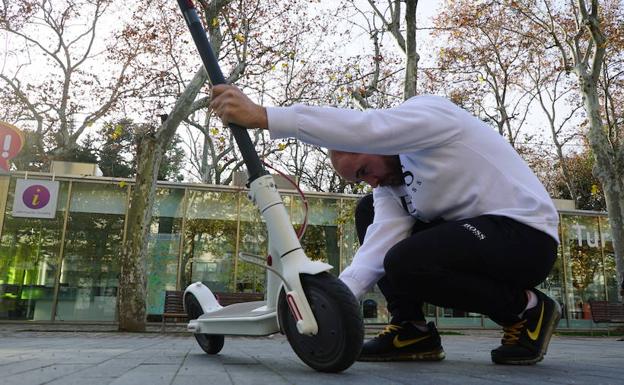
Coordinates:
[586,59]
[406,43]
[609,155]
[608,168]
[132,277]
[614,196]
[411,54]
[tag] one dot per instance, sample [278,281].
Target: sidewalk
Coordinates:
[105,357]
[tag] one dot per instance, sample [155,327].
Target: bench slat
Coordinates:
[604,311]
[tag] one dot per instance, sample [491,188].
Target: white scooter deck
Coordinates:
[245,319]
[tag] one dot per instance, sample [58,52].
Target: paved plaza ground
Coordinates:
[37,356]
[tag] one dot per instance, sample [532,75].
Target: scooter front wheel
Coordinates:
[340,328]
[210,343]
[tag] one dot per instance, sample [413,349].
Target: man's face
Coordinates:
[376,170]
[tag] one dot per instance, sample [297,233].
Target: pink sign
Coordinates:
[11,143]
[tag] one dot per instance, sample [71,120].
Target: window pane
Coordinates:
[584,264]
[348,236]
[320,240]
[611,275]
[163,247]
[210,239]
[253,240]
[553,285]
[89,277]
[29,252]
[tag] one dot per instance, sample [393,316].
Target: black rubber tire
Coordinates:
[210,343]
[340,328]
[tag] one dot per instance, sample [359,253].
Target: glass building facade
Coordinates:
[65,268]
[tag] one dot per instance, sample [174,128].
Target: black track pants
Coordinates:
[480,265]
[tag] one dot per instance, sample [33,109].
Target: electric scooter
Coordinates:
[318,313]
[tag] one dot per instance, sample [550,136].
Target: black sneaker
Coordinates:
[526,342]
[404,342]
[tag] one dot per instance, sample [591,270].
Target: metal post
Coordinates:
[181,244]
[59,268]
[5,181]
[564,267]
[602,255]
[239,193]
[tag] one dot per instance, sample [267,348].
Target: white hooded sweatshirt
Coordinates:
[454,167]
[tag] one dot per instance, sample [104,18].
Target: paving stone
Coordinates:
[77,379]
[42,375]
[159,374]
[111,368]
[94,358]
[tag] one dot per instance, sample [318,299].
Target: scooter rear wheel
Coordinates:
[340,328]
[210,343]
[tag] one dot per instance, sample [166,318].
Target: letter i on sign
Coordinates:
[35,198]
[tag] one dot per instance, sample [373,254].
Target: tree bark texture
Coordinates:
[133,277]
[411,54]
[608,155]
[608,168]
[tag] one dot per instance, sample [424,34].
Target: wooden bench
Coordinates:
[174,303]
[607,312]
[174,306]
[603,311]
